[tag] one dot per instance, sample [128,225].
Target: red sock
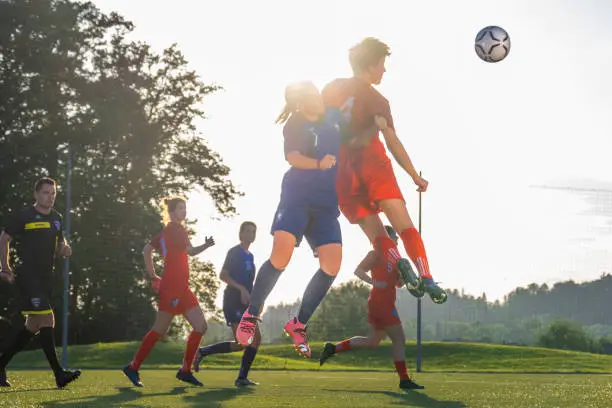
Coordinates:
[344,345]
[386,249]
[193,342]
[400,367]
[148,342]
[416,251]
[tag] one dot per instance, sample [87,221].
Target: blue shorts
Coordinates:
[233,309]
[319,226]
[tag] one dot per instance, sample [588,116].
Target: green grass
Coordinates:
[456,375]
[437,357]
[106,388]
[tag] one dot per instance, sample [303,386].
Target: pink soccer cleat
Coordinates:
[297,331]
[245,333]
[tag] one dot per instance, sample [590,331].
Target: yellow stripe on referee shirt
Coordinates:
[37,225]
[37,312]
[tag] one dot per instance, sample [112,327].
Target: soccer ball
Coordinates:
[492,44]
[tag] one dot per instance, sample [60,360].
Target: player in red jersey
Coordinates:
[382,315]
[366,183]
[174,295]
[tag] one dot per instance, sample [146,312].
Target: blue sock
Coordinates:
[247,361]
[218,348]
[264,283]
[313,295]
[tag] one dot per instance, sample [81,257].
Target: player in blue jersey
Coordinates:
[238,272]
[308,208]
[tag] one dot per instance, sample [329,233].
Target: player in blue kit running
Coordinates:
[238,272]
[308,208]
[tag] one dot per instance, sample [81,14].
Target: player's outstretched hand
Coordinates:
[421,183]
[327,162]
[210,241]
[7,276]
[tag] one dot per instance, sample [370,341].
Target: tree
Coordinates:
[343,313]
[69,78]
[565,335]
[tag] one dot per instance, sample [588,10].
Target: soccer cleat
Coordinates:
[132,375]
[408,384]
[66,377]
[436,293]
[196,362]
[245,333]
[187,376]
[3,381]
[244,382]
[297,331]
[409,278]
[328,351]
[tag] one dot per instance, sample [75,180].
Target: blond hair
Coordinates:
[294,95]
[169,205]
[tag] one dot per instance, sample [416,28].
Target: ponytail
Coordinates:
[284,115]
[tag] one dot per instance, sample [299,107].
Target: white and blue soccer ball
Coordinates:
[492,44]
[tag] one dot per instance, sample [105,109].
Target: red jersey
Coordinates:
[383,272]
[359,103]
[172,244]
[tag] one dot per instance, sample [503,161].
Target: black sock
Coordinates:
[247,361]
[21,340]
[264,283]
[48,346]
[313,295]
[218,348]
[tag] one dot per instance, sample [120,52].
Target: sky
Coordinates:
[499,143]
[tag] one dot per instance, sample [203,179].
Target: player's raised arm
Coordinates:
[193,251]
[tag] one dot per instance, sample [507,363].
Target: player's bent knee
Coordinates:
[330,258]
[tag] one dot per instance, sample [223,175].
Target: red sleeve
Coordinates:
[384,109]
[378,105]
[176,237]
[156,242]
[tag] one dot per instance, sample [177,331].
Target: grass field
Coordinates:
[456,375]
[105,388]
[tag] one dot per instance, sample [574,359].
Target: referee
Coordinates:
[39,236]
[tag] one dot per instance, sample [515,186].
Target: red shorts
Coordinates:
[175,302]
[382,314]
[362,184]
[381,310]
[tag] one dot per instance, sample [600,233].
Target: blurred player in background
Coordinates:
[238,272]
[382,315]
[174,295]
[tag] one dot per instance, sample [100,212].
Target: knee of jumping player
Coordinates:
[330,258]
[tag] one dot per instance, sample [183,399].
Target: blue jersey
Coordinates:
[312,188]
[240,264]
